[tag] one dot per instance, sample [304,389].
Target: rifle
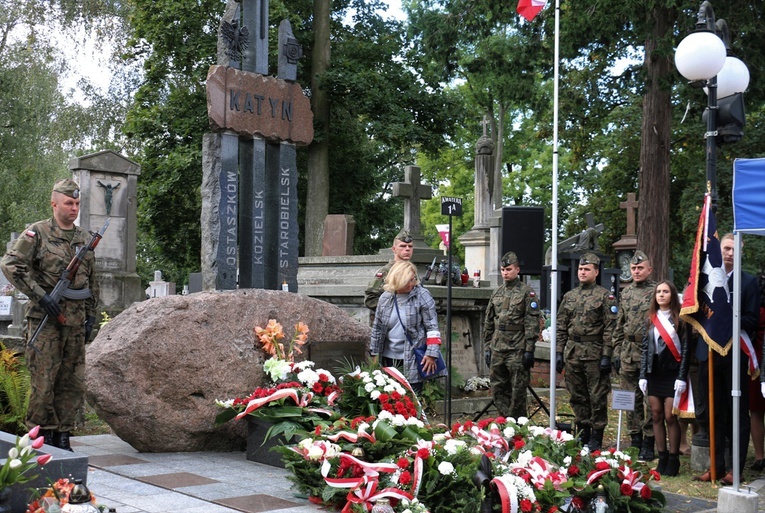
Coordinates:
[429,270]
[67,275]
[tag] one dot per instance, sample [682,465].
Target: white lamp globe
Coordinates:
[733,78]
[700,56]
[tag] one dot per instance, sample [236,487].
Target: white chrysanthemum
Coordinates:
[389,388]
[308,377]
[567,461]
[509,432]
[445,468]
[536,430]
[397,420]
[584,452]
[305,364]
[452,446]
[385,415]
[367,379]
[375,394]
[413,421]
[369,387]
[522,421]
[228,403]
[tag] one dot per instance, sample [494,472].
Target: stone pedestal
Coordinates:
[477,250]
[737,501]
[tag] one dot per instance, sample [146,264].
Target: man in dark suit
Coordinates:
[723,371]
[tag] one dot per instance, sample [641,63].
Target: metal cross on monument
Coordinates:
[413,191]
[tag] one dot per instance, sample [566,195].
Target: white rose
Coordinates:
[522,421]
[509,432]
[369,387]
[445,468]
[375,395]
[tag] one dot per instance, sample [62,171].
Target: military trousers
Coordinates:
[509,382]
[588,390]
[637,420]
[57,375]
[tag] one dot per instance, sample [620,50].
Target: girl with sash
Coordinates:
[664,364]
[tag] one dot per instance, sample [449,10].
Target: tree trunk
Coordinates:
[317,203]
[653,187]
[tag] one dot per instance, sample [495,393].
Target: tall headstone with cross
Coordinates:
[478,241]
[626,245]
[412,190]
[249,192]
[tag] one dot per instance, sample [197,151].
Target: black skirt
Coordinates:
[661,380]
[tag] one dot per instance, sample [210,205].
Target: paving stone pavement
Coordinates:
[214,482]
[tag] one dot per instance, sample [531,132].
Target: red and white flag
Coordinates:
[530,8]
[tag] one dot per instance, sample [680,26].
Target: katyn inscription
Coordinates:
[258,105]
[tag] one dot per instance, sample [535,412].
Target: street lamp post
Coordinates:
[705,59]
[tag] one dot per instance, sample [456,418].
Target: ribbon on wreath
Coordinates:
[351,436]
[491,438]
[276,396]
[631,479]
[363,489]
[508,492]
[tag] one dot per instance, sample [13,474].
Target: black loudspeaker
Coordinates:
[523,232]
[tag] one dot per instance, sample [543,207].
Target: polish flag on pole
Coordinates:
[530,8]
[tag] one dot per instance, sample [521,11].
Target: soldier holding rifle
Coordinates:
[49,252]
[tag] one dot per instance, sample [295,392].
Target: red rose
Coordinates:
[402,463]
[645,493]
[602,465]
[405,478]
[317,388]
[626,489]
[423,453]
[526,505]
[519,445]
[577,502]
[573,470]
[655,475]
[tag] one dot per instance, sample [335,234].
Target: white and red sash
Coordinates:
[668,334]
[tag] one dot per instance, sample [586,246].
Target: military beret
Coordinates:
[638,257]
[67,187]
[404,236]
[508,258]
[589,258]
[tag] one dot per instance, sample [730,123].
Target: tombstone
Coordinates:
[249,160]
[108,182]
[159,288]
[626,245]
[412,190]
[338,235]
[478,241]
[195,283]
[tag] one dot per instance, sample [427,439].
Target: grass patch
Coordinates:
[90,424]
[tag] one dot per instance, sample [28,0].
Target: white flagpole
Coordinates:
[554,267]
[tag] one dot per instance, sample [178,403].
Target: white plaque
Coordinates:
[622,400]
[5,305]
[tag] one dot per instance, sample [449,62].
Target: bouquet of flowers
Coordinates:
[299,397]
[22,458]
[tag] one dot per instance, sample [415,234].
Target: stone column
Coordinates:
[477,241]
[108,182]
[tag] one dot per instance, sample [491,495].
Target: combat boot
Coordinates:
[583,434]
[673,465]
[646,452]
[61,440]
[661,468]
[637,440]
[596,440]
[47,435]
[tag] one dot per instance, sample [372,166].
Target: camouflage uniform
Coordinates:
[57,365]
[586,320]
[375,289]
[510,329]
[628,336]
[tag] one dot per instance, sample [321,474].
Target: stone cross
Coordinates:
[412,191]
[630,206]
[485,123]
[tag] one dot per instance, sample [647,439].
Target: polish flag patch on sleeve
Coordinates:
[30,233]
